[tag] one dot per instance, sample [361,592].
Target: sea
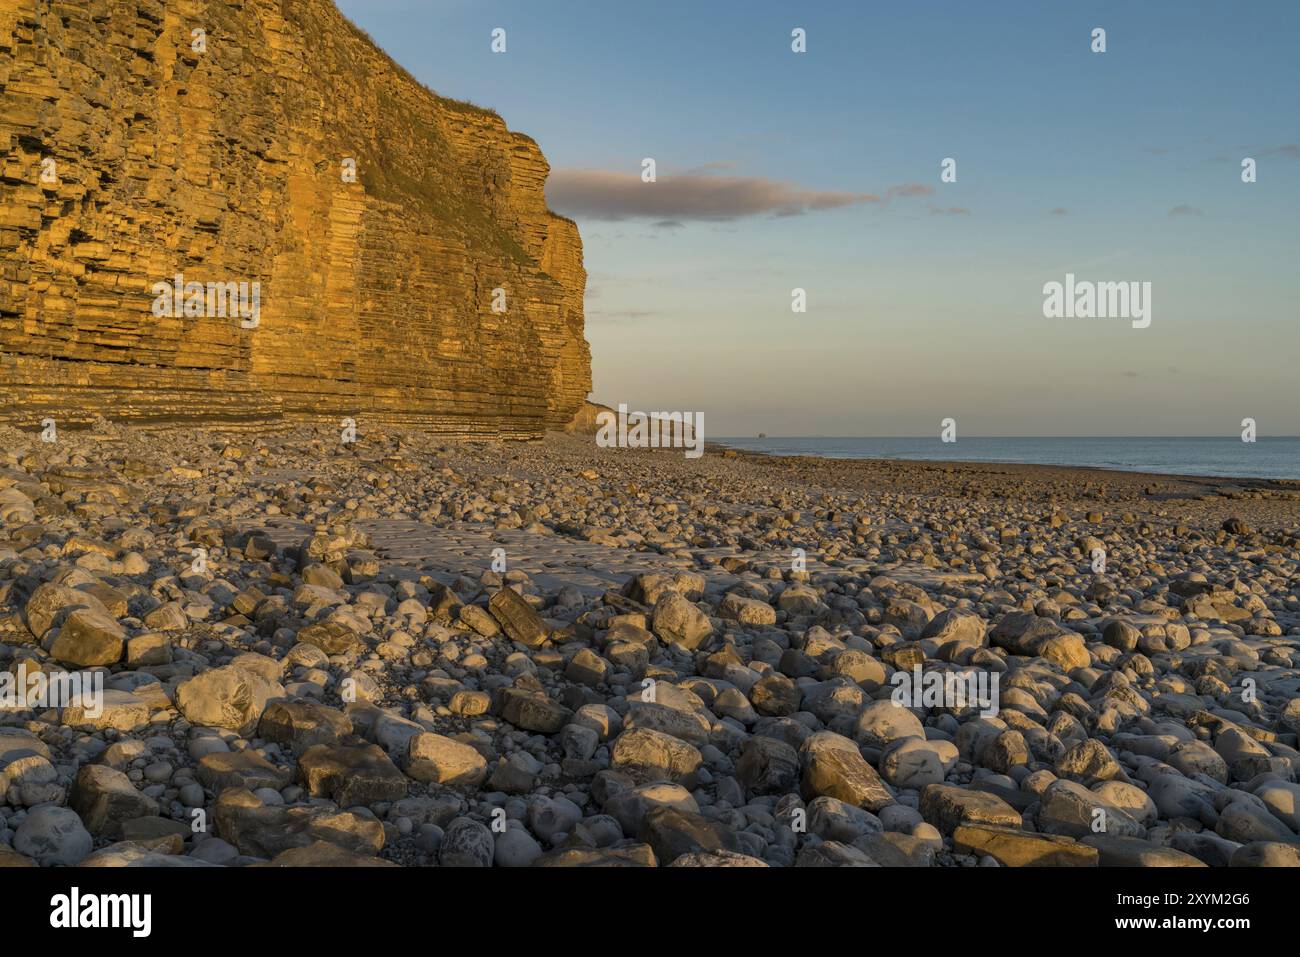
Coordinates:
[1275,457]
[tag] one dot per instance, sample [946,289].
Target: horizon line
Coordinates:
[928,437]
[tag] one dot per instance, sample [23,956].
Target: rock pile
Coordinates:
[398,652]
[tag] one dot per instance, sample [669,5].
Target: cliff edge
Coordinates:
[376,250]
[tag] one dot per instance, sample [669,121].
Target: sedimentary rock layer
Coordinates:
[134,149]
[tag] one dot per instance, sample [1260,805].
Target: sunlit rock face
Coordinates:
[395,253]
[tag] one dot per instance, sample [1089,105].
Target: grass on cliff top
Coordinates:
[464,106]
[419,172]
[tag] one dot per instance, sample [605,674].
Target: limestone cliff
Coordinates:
[133,149]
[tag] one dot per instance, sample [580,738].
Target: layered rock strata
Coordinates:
[217,140]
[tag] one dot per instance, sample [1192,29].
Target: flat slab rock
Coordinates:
[1012,847]
[947,807]
[351,775]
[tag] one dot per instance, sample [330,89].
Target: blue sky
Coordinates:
[925,302]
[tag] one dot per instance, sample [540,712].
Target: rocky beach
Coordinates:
[316,550]
[401,650]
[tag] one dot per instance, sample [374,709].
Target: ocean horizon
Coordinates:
[1272,457]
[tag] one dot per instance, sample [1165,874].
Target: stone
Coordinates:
[681,722]
[717,859]
[630,807]
[139,855]
[515,847]
[883,722]
[775,695]
[1130,799]
[1266,854]
[88,638]
[332,637]
[11,858]
[677,621]
[259,830]
[799,599]
[648,588]
[466,843]
[155,830]
[438,759]
[480,620]
[51,603]
[169,616]
[1012,847]
[833,766]
[1197,757]
[53,836]
[227,697]
[1282,798]
[914,763]
[948,807]
[1068,808]
[1066,651]
[834,820]
[833,854]
[115,710]
[654,756]
[955,632]
[351,775]
[1087,761]
[324,854]
[625,855]
[1119,851]
[898,850]
[105,798]
[470,704]
[517,618]
[672,832]
[747,611]
[533,711]
[516,773]
[837,702]
[302,724]
[588,668]
[149,649]
[768,766]
[1246,823]
[240,769]
[552,819]
[1021,633]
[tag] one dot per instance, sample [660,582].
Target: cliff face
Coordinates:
[128,157]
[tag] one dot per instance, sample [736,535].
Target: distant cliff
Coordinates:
[435,288]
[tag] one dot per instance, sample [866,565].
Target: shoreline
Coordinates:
[1280,484]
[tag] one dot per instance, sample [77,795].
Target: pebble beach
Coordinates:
[403,651]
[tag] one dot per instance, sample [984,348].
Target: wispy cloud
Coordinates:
[698,195]
[909,189]
[1289,150]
